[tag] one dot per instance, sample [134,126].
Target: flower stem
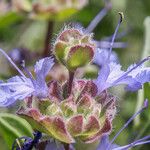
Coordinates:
[66,146]
[47,46]
[70,82]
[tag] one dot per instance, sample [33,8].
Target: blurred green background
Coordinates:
[18,31]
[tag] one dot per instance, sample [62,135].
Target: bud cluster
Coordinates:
[82,115]
[49,9]
[74,48]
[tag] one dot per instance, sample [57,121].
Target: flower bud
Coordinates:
[73,48]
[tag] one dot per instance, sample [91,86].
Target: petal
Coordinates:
[43,66]
[134,79]
[54,146]
[101,56]
[112,75]
[16,88]
[104,143]
[102,78]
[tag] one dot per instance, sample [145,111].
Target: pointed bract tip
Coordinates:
[121,16]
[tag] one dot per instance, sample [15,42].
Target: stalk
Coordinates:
[47,47]
[70,82]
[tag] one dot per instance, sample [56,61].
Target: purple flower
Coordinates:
[20,87]
[110,73]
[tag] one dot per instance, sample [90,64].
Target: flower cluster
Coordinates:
[77,108]
[49,9]
[82,115]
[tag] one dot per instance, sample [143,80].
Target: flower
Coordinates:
[111,74]
[20,87]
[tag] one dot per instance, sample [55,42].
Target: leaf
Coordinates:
[12,127]
[9,18]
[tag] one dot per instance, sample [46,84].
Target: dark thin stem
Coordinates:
[42,145]
[70,82]
[37,137]
[47,47]
[66,146]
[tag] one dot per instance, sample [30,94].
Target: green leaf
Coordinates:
[12,127]
[9,19]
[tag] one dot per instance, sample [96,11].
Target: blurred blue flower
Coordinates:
[110,73]
[20,87]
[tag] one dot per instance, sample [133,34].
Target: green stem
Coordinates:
[146,52]
[70,83]
[66,146]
